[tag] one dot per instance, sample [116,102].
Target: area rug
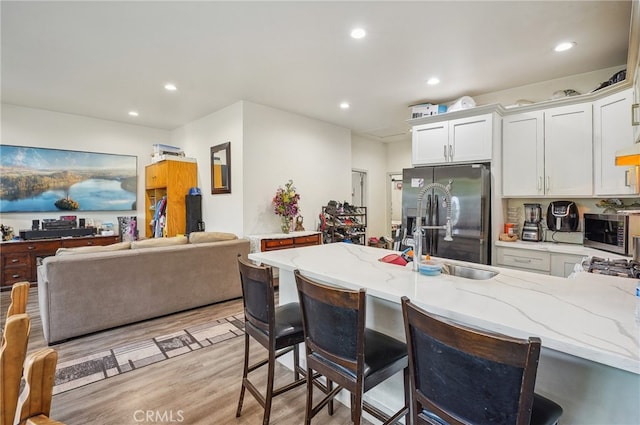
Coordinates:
[125,358]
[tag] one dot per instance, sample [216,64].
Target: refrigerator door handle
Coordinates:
[436,222]
[427,222]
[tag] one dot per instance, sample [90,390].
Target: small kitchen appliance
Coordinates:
[612,232]
[532,228]
[562,216]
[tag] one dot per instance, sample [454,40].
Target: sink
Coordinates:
[468,272]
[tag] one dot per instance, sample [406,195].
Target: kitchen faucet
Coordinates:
[416,243]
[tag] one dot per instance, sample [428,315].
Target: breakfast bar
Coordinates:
[590,360]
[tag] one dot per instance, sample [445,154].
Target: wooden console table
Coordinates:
[20,259]
[274,241]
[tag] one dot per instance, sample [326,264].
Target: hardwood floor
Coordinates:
[198,388]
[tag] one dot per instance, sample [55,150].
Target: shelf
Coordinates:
[334,228]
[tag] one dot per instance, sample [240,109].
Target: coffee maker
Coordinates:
[532,229]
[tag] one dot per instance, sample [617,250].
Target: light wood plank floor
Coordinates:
[198,388]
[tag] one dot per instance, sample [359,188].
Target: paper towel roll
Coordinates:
[465,102]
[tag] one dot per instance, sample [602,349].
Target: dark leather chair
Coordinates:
[461,375]
[278,329]
[340,348]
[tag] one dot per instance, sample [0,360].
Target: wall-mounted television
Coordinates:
[46,180]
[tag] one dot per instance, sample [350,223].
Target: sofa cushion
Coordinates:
[154,242]
[203,237]
[86,249]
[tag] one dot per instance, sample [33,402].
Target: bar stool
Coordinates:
[461,375]
[340,348]
[278,329]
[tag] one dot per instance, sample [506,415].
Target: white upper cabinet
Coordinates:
[548,152]
[568,147]
[466,139]
[612,130]
[523,154]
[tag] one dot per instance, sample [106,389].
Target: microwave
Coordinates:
[611,232]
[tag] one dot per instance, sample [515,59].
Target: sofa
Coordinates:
[89,289]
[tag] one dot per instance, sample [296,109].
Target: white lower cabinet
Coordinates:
[524,259]
[535,261]
[564,264]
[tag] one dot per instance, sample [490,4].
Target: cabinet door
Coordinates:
[568,158]
[612,130]
[430,143]
[156,175]
[564,264]
[523,154]
[470,139]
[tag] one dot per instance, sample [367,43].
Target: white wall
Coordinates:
[371,156]
[40,128]
[279,146]
[220,212]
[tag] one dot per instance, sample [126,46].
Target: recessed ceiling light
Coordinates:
[433,81]
[170,87]
[133,113]
[358,33]
[345,105]
[561,47]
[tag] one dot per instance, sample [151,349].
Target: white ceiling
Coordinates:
[102,59]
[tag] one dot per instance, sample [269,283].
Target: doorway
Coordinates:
[395,204]
[358,188]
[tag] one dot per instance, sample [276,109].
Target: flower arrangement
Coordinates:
[285,204]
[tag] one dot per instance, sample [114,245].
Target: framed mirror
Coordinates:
[221,168]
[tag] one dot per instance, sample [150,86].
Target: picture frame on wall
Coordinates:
[34,179]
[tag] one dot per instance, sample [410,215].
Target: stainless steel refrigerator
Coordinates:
[470,210]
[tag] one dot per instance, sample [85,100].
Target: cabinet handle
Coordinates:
[15,260]
[31,247]
[450,153]
[445,152]
[635,120]
[627,177]
[15,276]
[527,261]
[539,182]
[547,184]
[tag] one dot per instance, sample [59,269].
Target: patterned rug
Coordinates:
[96,367]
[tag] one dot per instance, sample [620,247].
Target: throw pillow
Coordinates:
[86,249]
[203,237]
[155,242]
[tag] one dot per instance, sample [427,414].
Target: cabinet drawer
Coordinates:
[43,247]
[156,175]
[100,241]
[524,259]
[271,244]
[306,240]
[12,275]
[15,260]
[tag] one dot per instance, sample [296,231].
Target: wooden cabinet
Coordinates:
[549,152]
[612,130]
[170,180]
[272,244]
[466,139]
[20,260]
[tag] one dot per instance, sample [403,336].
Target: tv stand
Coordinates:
[20,259]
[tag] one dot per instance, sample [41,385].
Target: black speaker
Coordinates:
[35,224]
[82,223]
[194,213]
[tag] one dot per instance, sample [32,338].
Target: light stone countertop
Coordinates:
[589,316]
[560,248]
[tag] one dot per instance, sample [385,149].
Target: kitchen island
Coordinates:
[590,360]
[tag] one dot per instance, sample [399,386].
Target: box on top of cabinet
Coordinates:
[427,110]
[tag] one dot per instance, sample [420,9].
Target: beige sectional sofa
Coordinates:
[82,290]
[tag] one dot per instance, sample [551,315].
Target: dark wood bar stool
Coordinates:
[278,329]
[461,375]
[340,348]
